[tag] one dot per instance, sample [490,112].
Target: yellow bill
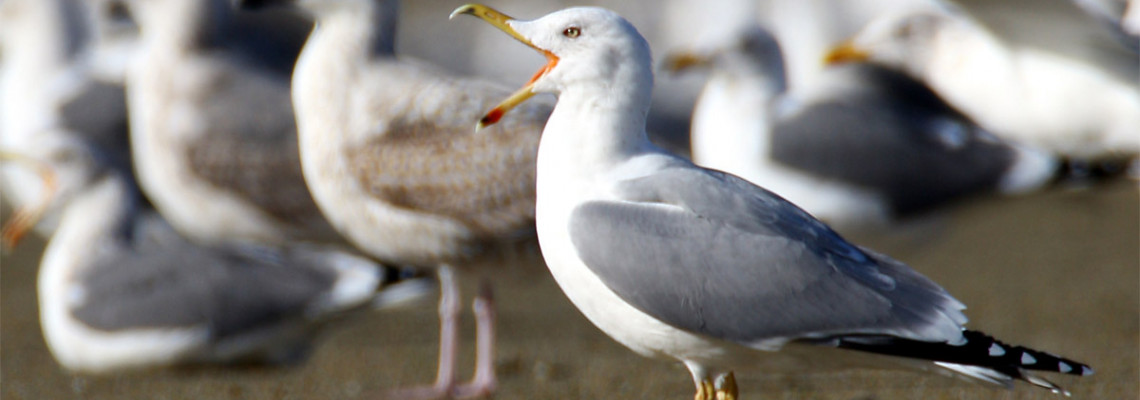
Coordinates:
[25,218]
[846,52]
[499,20]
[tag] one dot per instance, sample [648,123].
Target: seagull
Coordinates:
[120,290]
[864,146]
[52,82]
[1019,92]
[213,134]
[388,152]
[680,262]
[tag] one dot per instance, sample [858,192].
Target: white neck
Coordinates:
[588,134]
[41,67]
[340,49]
[342,42]
[180,25]
[42,39]
[361,29]
[732,120]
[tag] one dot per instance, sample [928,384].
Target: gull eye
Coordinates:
[572,32]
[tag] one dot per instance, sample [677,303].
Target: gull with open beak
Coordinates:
[680,262]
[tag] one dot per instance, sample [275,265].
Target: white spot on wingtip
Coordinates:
[1064,367]
[1027,359]
[996,350]
[1086,370]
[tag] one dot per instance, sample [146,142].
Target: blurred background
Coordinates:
[1057,270]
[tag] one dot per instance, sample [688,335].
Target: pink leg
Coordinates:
[484,381]
[449,308]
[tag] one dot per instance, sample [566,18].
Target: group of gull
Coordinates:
[262,226]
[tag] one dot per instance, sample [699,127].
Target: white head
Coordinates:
[906,41]
[587,48]
[752,54]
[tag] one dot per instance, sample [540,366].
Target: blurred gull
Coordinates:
[118,289]
[1040,96]
[53,82]
[212,128]
[389,153]
[862,146]
[676,261]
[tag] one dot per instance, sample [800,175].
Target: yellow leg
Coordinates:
[727,389]
[705,390]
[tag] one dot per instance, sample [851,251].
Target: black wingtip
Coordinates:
[979,351]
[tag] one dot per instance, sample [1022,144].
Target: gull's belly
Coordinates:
[624,323]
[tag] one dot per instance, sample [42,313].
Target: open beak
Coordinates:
[25,218]
[499,20]
[682,61]
[846,52]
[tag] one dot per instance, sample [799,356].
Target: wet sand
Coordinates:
[1058,271]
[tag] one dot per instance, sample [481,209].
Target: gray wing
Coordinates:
[893,135]
[251,149]
[229,291]
[737,262]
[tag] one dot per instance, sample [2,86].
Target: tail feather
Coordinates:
[981,357]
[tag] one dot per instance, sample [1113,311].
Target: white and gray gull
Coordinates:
[1048,95]
[862,146]
[119,289]
[680,262]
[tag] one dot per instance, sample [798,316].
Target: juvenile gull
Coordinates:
[212,128]
[1020,92]
[679,262]
[863,146]
[118,289]
[388,151]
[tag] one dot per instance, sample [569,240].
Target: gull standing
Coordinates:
[63,76]
[212,128]
[864,145]
[52,85]
[1069,105]
[388,151]
[680,262]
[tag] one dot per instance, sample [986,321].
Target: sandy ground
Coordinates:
[1058,271]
